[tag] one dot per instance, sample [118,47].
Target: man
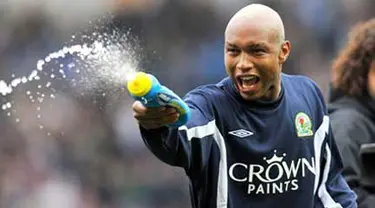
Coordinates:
[352,110]
[259,138]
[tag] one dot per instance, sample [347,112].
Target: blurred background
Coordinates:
[92,155]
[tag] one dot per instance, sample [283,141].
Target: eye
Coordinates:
[233,51]
[258,51]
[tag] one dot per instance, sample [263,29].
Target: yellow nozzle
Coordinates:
[140,84]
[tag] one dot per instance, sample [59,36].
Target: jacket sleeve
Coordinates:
[350,133]
[178,147]
[333,190]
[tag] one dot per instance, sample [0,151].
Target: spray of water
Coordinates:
[101,60]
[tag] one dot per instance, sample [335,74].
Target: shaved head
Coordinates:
[255,50]
[260,16]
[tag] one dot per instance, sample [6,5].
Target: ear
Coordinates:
[284,52]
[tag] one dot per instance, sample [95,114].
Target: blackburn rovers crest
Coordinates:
[303,125]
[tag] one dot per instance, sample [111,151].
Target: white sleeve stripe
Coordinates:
[323,194]
[320,134]
[222,184]
[199,131]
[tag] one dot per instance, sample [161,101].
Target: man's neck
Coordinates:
[273,94]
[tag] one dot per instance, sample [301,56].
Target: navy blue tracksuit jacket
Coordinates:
[240,153]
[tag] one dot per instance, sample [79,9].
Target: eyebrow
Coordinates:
[257,45]
[230,44]
[250,45]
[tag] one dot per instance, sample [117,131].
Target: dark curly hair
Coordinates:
[351,67]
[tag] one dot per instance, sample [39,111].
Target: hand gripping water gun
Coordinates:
[147,89]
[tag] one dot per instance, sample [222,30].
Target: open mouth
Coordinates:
[248,83]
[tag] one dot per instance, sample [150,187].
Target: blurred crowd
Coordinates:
[92,155]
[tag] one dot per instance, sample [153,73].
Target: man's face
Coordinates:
[371,80]
[253,58]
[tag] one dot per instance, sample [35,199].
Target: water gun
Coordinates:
[148,90]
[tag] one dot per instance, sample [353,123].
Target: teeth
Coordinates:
[249,78]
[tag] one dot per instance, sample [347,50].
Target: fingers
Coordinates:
[140,109]
[154,117]
[142,112]
[158,122]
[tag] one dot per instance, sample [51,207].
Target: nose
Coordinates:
[245,63]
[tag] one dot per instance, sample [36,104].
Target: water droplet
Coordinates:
[52,96]
[71,65]
[48,84]
[52,76]
[15,82]
[33,74]
[28,92]
[41,127]
[24,80]
[40,64]
[39,86]
[38,116]
[17,120]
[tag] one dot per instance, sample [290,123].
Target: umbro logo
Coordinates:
[241,133]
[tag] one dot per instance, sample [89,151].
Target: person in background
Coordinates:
[352,110]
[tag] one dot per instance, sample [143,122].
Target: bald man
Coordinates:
[258,138]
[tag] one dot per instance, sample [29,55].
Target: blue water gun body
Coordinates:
[148,90]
